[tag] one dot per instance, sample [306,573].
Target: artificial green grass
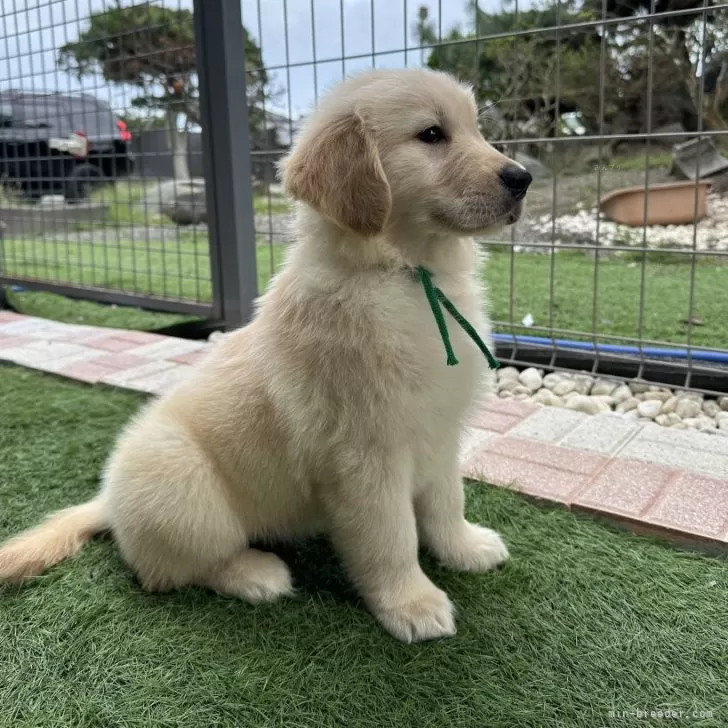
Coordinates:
[581,621]
[519,284]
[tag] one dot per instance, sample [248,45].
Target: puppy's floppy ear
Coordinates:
[336,169]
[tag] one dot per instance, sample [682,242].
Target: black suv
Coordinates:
[60,144]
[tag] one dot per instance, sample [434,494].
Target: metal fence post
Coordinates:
[220,50]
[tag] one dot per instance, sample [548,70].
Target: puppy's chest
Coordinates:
[449,388]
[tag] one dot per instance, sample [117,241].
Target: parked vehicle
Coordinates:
[52,143]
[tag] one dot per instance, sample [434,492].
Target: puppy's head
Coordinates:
[402,149]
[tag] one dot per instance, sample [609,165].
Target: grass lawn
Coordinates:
[666,301]
[519,285]
[125,200]
[178,269]
[583,619]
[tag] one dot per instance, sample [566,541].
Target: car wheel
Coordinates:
[83,180]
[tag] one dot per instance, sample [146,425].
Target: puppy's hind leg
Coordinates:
[252,575]
[175,524]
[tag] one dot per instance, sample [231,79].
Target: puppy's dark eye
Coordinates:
[432,135]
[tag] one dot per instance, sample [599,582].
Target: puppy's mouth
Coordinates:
[475,215]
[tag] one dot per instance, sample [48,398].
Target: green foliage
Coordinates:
[138,44]
[593,72]
[153,48]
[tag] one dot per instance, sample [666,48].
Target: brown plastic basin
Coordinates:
[672,203]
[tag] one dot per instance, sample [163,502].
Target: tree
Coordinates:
[152,48]
[603,70]
[518,72]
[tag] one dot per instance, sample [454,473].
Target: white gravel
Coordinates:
[711,233]
[635,400]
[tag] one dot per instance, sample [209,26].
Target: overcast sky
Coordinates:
[33,30]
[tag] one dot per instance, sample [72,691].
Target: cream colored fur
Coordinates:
[333,410]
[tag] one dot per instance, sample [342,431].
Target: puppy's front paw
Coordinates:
[475,549]
[429,616]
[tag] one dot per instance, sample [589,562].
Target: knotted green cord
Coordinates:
[434,297]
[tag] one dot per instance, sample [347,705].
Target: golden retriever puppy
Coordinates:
[334,410]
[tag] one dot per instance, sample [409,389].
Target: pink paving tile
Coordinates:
[111,343]
[574,461]
[508,407]
[139,337]
[13,342]
[7,317]
[625,488]
[87,371]
[124,377]
[191,357]
[120,360]
[533,479]
[493,421]
[693,504]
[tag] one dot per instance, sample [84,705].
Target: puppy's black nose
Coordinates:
[516,179]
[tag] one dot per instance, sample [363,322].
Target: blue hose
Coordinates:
[718,357]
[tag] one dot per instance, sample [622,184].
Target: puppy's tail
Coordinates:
[61,535]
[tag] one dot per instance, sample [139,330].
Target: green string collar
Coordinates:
[435,297]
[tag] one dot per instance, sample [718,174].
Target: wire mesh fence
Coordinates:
[619,109]
[100,154]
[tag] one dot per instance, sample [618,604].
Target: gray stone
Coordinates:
[694,396]
[507,385]
[705,426]
[584,383]
[520,389]
[672,419]
[622,393]
[628,405]
[183,201]
[531,378]
[723,403]
[552,379]
[603,387]
[548,398]
[164,193]
[639,386]
[657,396]
[669,405]
[650,408]
[590,405]
[687,408]
[52,201]
[508,373]
[662,420]
[711,408]
[564,387]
